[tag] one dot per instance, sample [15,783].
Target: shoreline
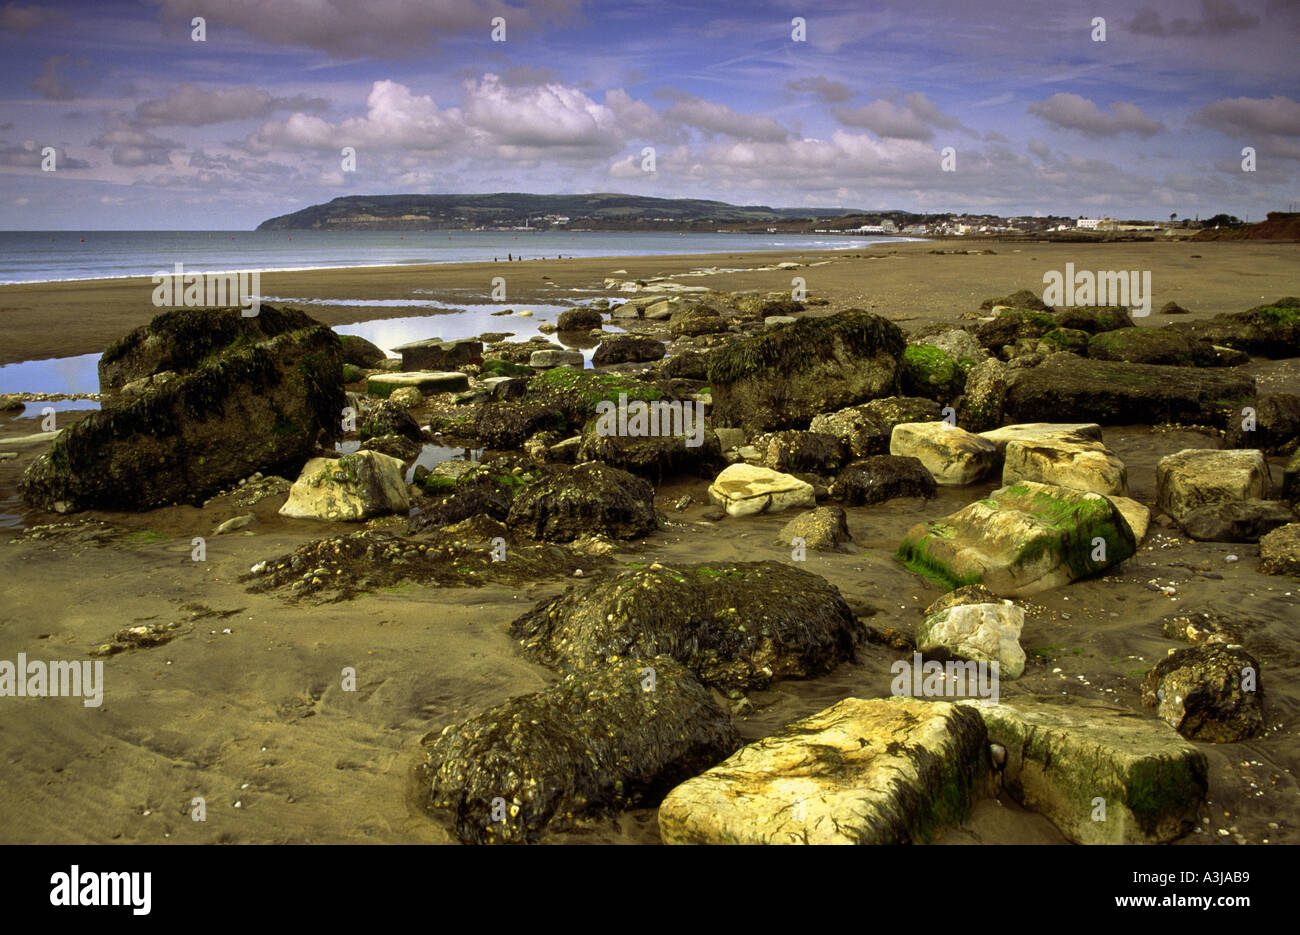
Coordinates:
[903,281]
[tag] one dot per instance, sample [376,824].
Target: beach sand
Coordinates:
[244,707]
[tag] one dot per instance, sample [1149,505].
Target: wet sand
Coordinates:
[903,281]
[245,708]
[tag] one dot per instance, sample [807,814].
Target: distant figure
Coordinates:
[510,257]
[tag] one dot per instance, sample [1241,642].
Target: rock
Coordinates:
[877,771]
[437,354]
[776,321]
[627,348]
[1235,520]
[1065,387]
[1074,340]
[655,457]
[698,320]
[395,446]
[593,744]
[784,377]
[823,529]
[9,402]
[856,429]
[1271,424]
[799,451]
[957,344]
[1137,515]
[882,477]
[987,633]
[1290,478]
[140,387]
[929,372]
[1012,324]
[1195,477]
[1094,320]
[361,353]
[981,405]
[1061,758]
[495,367]
[234,524]
[954,456]
[1081,465]
[970,594]
[1152,346]
[428,382]
[408,397]
[734,624]
[730,438]
[183,339]
[569,503]
[1042,431]
[1172,308]
[1279,551]
[688,365]
[256,407]
[1268,330]
[1209,692]
[351,488]
[744,489]
[1024,299]
[554,358]
[390,418]
[1023,539]
[579,319]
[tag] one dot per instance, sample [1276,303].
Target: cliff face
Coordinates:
[441,212]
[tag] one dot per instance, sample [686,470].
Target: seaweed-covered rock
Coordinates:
[1270,423]
[1152,346]
[954,456]
[824,529]
[579,319]
[568,503]
[1011,325]
[655,457]
[785,376]
[390,417]
[1094,320]
[1279,551]
[864,771]
[931,372]
[184,339]
[688,365]
[1069,388]
[616,737]
[1271,330]
[353,487]
[698,320]
[1024,298]
[793,450]
[1211,692]
[395,446]
[1195,477]
[987,632]
[1062,757]
[436,354]
[1235,520]
[627,348]
[488,488]
[1023,539]
[360,353]
[253,407]
[746,489]
[980,407]
[882,477]
[1066,462]
[1074,340]
[735,624]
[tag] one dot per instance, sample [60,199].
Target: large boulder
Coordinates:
[627,348]
[1010,325]
[1094,320]
[390,417]
[1235,520]
[1270,423]
[954,456]
[655,457]
[1152,346]
[931,372]
[1023,539]
[359,352]
[184,339]
[880,478]
[1211,692]
[1042,431]
[865,771]
[1279,551]
[428,382]
[1069,388]
[619,736]
[589,499]
[351,488]
[1082,465]
[1062,758]
[981,406]
[785,376]
[1195,477]
[824,529]
[793,450]
[865,429]
[579,319]
[745,489]
[437,354]
[252,407]
[986,632]
[1269,330]
[734,624]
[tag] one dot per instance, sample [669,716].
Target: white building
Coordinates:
[1093,224]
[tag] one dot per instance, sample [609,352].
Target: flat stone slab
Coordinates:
[1101,774]
[1036,431]
[426,381]
[746,489]
[864,771]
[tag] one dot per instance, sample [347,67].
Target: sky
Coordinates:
[1118,108]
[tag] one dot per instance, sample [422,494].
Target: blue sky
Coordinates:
[152,129]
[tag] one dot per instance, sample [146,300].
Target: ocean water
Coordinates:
[51,256]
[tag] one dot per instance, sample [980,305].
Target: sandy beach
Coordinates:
[243,706]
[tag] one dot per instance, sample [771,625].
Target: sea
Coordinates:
[55,256]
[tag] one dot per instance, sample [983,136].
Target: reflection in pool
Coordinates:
[429,455]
